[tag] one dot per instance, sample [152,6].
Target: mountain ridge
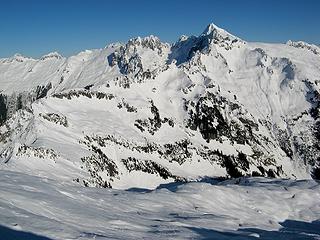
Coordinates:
[209,28]
[145,112]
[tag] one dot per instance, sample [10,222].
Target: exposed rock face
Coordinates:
[129,58]
[55,118]
[187,47]
[146,112]
[211,114]
[40,152]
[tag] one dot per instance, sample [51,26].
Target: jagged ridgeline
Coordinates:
[146,112]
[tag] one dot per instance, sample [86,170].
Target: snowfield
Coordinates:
[247,208]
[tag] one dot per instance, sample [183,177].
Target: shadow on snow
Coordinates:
[11,234]
[291,229]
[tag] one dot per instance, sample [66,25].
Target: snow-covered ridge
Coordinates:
[52,55]
[21,58]
[16,58]
[303,45]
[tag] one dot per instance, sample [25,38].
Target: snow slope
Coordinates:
[146,112]
[248,208]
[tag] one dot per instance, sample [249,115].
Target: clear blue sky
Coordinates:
[36,27]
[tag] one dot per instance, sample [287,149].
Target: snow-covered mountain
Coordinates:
[147,112]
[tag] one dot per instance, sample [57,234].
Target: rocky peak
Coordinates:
[52,55]
[212,28]
[186,47]
[183,38]
[216,34]
[151,42]
[134,57]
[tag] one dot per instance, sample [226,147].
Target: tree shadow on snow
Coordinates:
[291,229]
[11,234]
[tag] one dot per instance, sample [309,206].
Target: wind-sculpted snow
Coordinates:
[247,208]
[146,112]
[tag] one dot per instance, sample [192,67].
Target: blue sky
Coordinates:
[36,27]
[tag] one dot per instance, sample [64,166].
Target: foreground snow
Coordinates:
[31,207]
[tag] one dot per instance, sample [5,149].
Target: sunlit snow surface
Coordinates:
[39,208]
[272,86]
